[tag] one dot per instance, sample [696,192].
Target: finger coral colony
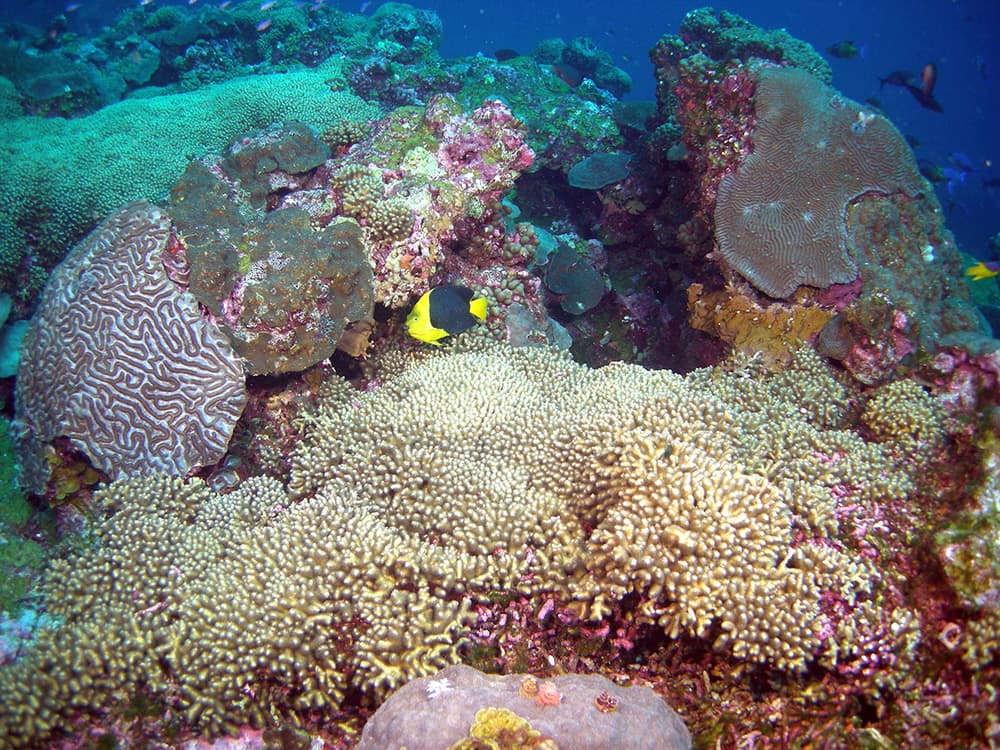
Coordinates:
[719,468]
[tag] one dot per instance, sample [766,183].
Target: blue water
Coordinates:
[959,36]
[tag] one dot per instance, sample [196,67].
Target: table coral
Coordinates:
[122,362]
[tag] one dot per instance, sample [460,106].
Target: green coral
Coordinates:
[562,124]
[61,176]
[20,558]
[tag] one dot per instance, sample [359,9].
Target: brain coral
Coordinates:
[121,362]
[780,218]
[465,474]
[61,175]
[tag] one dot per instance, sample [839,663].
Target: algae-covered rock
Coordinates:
[283,290]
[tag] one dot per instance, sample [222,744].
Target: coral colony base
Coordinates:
[263,515]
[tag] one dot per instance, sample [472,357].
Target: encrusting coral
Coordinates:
[463,474]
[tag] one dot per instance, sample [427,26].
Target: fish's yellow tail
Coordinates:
[980,271]
[478,307]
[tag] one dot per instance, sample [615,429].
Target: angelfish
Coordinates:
[444,311]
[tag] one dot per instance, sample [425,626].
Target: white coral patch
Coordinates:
[438,688]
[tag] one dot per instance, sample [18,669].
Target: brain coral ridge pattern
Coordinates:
[780,218]
[464,473]
[121,362]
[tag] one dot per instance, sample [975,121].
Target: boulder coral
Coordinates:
[462,705]
[464,474]
[283,288]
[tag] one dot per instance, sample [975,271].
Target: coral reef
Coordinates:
[121,362]
[440,171]
[779,218]
[282,289]
[789,553]
[601,486]
[589,712]
[864,233]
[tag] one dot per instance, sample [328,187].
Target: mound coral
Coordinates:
[283,289]
[136,149]
[121,361]
[816,201]
[463,705]
[465,474]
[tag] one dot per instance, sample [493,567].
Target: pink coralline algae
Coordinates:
[434,169]
[122,363]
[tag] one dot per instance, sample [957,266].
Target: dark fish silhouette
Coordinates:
[505,53]
[845,50]
[898,78]
[569,75]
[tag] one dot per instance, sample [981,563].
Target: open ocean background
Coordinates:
[960,37]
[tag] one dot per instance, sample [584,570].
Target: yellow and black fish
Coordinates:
[444,311]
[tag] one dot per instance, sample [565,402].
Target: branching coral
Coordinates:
[237,607]
[463,474]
